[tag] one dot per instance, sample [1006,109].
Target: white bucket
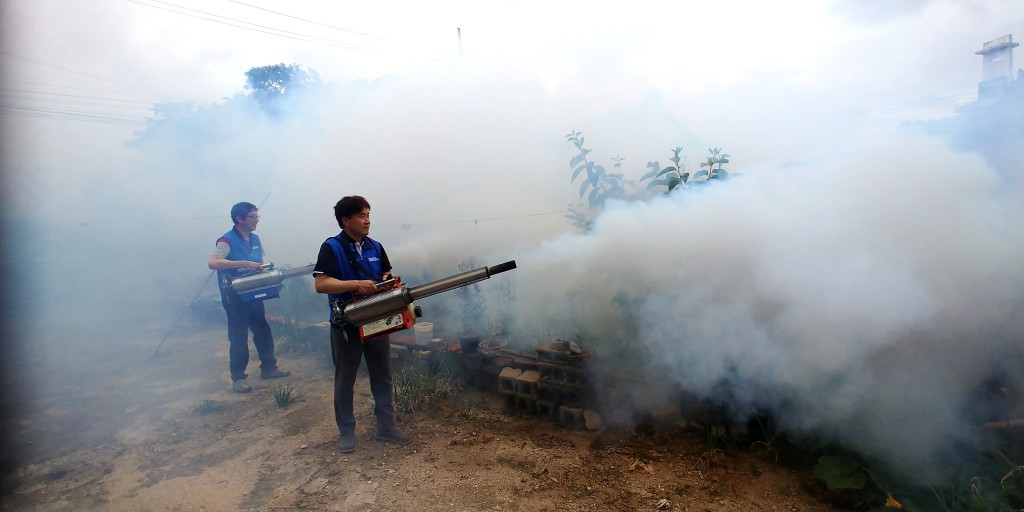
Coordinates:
[424,332]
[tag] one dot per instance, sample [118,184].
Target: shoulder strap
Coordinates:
[335,242]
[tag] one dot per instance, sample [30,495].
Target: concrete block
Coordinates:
[527,405]
[547,410]
[526,384]
[549,355]
[507,380]
[572,417]
[568,395]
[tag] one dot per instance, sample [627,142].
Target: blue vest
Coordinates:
[370,261]
[240,251]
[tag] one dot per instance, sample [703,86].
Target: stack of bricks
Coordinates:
[519,388]
[556,390]
[563,383]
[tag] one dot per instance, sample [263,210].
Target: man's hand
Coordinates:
[251,265]
[365,287]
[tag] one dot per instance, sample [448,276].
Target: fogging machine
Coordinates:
[262,284]
[391,309]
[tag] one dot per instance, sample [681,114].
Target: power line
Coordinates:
[75,115]
[475,220]
[483,219]
[965,96]
[69,70]
[150,99]
[303,19]
[59,67]
[82,96]
[242,24]
[78,107]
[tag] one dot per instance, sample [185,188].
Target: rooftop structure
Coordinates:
[997,67]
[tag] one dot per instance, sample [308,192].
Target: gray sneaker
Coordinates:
[276,373]
[347,443]
[240,386]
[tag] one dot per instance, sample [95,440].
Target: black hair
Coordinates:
[241,210]
[349,206]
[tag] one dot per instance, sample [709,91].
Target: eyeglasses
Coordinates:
[253,216]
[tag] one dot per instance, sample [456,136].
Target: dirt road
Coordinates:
[119,431]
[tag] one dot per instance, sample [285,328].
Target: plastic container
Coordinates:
[424,332]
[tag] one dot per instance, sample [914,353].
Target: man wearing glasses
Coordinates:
[240,250]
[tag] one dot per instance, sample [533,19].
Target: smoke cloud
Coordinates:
[852,278]
[865,296]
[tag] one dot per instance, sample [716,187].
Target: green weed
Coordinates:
[417,387]
[209,407]
[284,395]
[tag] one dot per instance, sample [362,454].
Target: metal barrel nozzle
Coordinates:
[458,280]
[384,304]
[267,279]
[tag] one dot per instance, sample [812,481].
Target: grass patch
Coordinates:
[417,387]
[284,395]
[209,407]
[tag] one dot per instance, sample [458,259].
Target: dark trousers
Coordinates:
[347,355]
[242,317]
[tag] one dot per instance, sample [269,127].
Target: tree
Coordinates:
[189,135]
[271,84]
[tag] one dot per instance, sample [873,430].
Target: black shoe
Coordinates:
[393,435]
[276,373]
[347,443]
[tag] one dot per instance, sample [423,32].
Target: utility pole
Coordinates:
[459,31]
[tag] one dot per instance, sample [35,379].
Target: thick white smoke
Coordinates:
[864,292]
[865,296]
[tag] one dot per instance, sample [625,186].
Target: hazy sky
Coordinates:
[845,253]
[812,74]
[858,54]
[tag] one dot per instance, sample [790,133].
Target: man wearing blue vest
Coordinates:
[351,264]
[241,250]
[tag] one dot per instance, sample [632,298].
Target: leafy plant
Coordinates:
[841,472]
[472,300]
[284,395]
[671,177]
[503,318]
[713,173]
[988,483]
[598,184]
[579,218]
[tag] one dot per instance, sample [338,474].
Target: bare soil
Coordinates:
[122,431]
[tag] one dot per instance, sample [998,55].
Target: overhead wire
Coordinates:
[417,223]
[149,98]
[958,99]
[303,19]
[507,217]
[19,57]
[63,105]
[80,107]
[79,96]
[243,24]
[77,115]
